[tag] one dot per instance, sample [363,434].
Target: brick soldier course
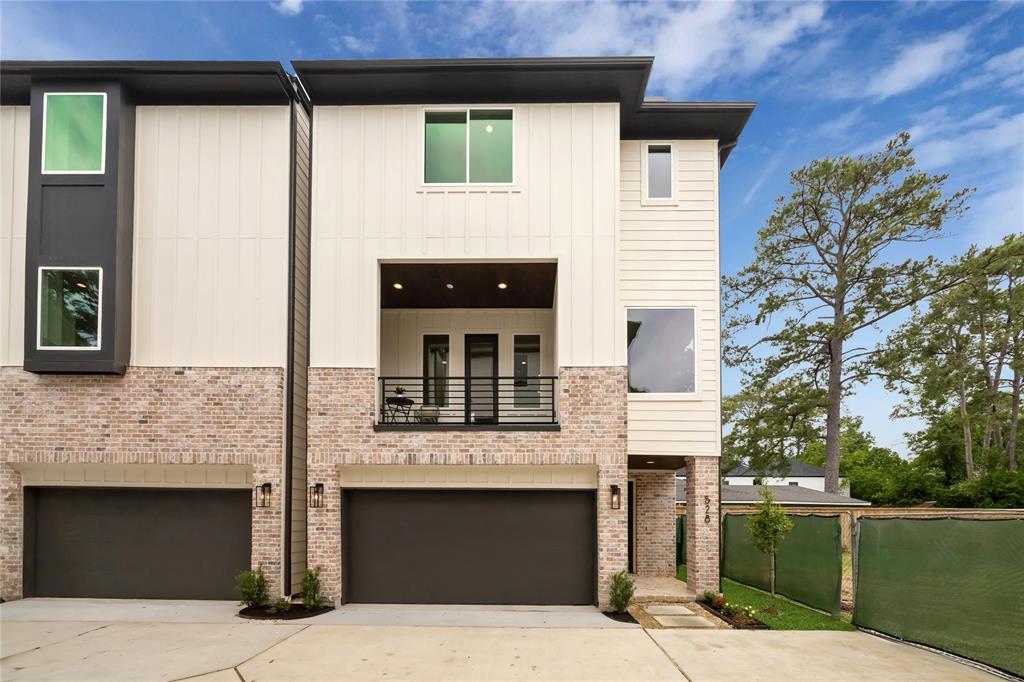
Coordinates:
[151,415]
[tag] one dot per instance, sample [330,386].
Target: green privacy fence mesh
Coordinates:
[954,584]
[808,565]
[680,540]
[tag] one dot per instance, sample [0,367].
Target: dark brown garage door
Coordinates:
[469,546]
[133,543]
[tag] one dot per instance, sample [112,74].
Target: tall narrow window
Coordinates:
[662,350]
[468,146]
[526,356]
[490,146]
[435,370]
[74,132]
[659,171]
[69,308]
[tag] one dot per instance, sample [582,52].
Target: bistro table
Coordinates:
[397,408]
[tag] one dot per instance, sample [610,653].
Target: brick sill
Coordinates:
[421,428]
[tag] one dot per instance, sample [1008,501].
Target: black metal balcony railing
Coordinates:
[471,401]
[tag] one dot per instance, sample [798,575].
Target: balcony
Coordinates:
[467,346]
[496,402]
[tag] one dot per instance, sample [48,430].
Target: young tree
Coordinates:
[827,263]
[768,528]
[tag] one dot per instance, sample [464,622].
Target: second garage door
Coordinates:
[135,543]
[469,546]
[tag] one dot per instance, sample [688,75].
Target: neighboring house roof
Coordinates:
[792,495]
[532,79]
[159,82]
[796,468]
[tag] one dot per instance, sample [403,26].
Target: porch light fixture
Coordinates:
[502,285]
[263,495]
[316,496]
[397,285]
[616,497]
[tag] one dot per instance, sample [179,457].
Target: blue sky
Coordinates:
[830,78]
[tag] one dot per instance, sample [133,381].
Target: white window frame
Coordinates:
[39,309]
[695,395]
[463,110]
[103,142]
[646,199]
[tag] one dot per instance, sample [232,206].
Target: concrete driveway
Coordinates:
[141,640]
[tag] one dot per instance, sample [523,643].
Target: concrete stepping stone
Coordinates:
[691,621]
[668,610]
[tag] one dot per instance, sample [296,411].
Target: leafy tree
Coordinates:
[871,470]
[827,263]
[768,528]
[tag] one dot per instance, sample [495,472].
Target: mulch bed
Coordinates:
[739,625]
[624,617]
[295,612]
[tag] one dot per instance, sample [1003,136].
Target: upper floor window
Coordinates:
[662,350]
[74,132]
[526,356]
[69,308]
[435,369]
[468,145]
[659,177]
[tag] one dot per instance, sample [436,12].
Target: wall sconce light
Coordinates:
[616,497]
[263,495]
[316,496]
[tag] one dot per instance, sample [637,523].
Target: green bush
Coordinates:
[252,587]
[622,591]
[311,594]
[280,605]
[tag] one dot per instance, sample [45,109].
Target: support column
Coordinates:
[703,524]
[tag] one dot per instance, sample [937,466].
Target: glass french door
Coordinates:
[481,378]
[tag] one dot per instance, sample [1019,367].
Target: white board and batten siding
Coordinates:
[370,205]
[210,273]
[14,127]
[668,257]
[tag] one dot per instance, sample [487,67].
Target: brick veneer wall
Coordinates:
[655,493]
[702,524]
[151,415]
[592,404]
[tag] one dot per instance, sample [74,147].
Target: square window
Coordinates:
[69,308]
[526,356]
[469,146]
[662,350]
[659,171]
[74,132]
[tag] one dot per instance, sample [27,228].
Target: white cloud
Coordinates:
[341,39]
[1005,71]
[839,126]
[918,64]
[695,44]
[289,8]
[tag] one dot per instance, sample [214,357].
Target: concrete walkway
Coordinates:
[67,640]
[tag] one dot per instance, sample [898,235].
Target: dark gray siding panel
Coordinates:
[469,546]
[135,543]
[299,346]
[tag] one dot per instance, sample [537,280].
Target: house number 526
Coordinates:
[707,509]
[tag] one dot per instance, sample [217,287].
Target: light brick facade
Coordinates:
[655,519]
[151,415]
[592,405]
[702,523]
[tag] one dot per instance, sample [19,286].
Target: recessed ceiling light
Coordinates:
[489,128]
[397,285]
[81,285]
[450,285]
[650,461]
[502,285]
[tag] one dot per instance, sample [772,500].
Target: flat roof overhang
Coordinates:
[527,80]
[158,82]
[656,462]
[473,285]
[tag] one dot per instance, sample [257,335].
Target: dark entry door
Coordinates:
[469,546]
[136,543]
[481,378]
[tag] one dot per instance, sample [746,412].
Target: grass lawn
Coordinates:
[784,614]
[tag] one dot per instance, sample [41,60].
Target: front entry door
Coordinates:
[481,378]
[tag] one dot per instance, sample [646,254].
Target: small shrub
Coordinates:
[312,597]
[280,605]
[622,591]
[708,597]
[252,587]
